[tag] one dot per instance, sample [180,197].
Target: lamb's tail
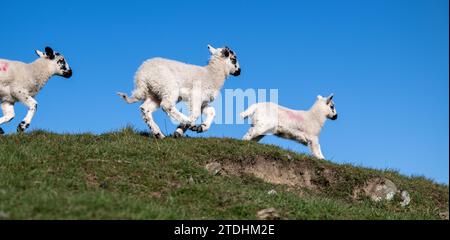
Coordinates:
[127,99]
[249,112]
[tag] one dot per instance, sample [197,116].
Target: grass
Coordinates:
[127,175]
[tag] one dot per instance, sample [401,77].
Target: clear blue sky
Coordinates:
[386,61]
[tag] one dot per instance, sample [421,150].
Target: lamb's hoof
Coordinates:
[22,126]
[176,134]
[179,132]
[159,136]
[181,129]
[199,128]
[1,131]
[184,126]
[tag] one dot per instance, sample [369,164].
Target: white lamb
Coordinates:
[301,126]
[20,82]
[163,82]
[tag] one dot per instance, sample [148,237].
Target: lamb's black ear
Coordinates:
[226,52]
[49,52]
[329,98]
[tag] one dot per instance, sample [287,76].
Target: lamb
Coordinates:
[301,126]
[163,83]
[20,82]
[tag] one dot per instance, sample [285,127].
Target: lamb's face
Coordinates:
[327,106]
[62,66]
[232,61]
[57,61]
[230,58]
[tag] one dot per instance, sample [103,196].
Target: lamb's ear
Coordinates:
[329,98]
[319,97]
[211,49]
[40,54]
[226,52]
[49,52]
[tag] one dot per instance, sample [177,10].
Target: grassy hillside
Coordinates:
[128,175]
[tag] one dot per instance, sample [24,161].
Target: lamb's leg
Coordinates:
[209,112]
[314,145]
[147,108]
[254,134]
[320,152]
[8,114]
[169,107]
[32,107]
[195,109]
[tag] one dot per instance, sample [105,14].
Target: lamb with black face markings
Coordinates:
[20,82]
[163,83]
[301,126]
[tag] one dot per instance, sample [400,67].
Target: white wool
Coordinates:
[301,126]
[20,82]
[162,83]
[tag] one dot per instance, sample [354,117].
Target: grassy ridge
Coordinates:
[128,175]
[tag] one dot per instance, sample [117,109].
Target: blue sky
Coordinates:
[386,61]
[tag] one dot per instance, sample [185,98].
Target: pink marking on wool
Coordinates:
[295,116]
[3,66]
